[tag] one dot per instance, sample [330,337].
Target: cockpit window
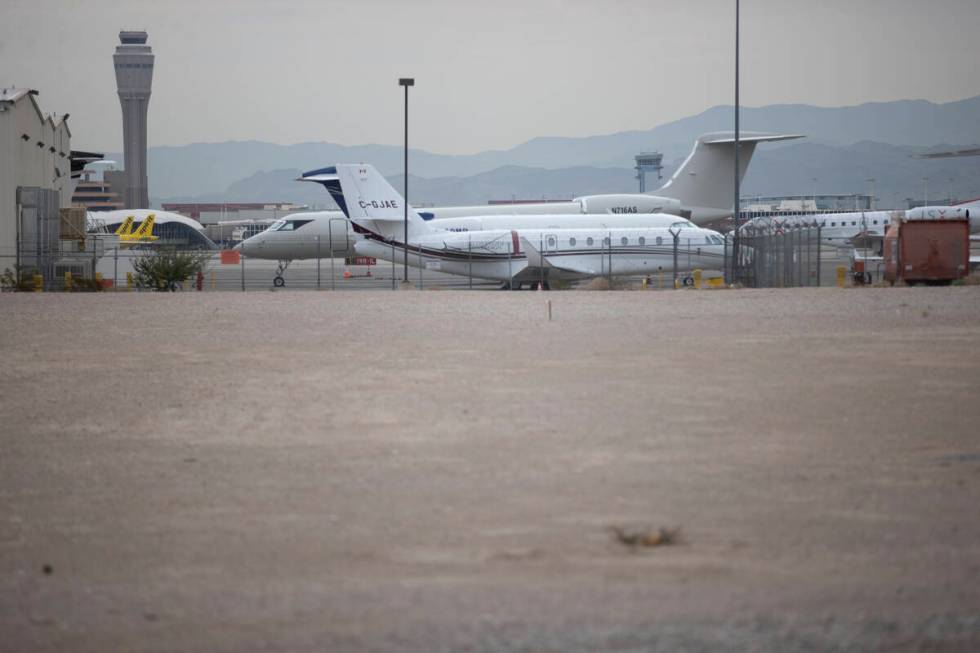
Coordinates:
[275,225]
[291,225]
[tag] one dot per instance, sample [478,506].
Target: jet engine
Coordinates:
[626,203]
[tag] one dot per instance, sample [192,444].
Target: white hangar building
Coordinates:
[35,156]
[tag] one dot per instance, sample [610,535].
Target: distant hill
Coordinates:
[210,168]
[790,169]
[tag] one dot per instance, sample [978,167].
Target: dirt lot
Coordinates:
[436,471]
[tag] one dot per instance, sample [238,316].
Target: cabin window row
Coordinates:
[641,241]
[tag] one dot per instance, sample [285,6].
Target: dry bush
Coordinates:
[636,537]
[972,280]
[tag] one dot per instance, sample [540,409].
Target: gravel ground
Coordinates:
[438,471]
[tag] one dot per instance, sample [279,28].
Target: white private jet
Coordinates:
[701,189]
[512,256]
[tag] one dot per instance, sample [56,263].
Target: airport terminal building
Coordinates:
[35,155]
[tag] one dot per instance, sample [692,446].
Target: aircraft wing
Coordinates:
[866,239]
[537,260]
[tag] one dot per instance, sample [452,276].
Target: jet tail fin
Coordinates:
[367,199]
[705,184]
[126,227]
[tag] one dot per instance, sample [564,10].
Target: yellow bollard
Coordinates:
[129,281]
[38,283]
[68,280]
[697,279]
[841,276]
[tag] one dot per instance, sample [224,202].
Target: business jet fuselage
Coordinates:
[530,255]
[327,233]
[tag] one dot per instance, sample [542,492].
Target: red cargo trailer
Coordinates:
[927,250]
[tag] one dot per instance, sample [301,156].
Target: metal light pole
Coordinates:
[406,82]
[925,191]
[872,200]
[738,200]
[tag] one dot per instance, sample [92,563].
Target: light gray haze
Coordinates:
[489,75]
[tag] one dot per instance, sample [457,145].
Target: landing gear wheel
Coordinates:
[688,281]
[278,282]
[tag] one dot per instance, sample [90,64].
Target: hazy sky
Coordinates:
[489,74]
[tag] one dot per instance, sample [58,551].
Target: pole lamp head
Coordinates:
[406,81]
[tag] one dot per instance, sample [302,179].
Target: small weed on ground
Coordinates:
[636,537]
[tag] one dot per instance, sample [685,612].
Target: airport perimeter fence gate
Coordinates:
[776,256]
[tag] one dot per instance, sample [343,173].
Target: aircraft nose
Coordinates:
[248,245]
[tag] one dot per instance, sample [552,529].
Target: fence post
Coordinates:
[541,249]
[724,250]
[819,247]
[333,274]
[421,268]
[115,268]
[510,269]
[318,257]
[799,262]
[609,238]
[393,272]
[809,245]
[242,264]
[469,247]
[677,239]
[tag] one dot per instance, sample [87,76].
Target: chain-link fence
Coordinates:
[774,255]
[102,262]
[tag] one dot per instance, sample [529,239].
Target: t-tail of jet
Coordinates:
[705,183]
[368,200]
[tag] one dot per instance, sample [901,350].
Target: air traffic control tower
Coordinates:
[134,76]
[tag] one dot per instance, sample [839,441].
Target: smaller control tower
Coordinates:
[134,76]
[648,162]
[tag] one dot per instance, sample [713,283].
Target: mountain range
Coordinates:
[844,147]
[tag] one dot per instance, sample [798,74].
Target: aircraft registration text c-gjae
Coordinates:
[379,204]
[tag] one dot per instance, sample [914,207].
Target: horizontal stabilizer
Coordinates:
[747,137]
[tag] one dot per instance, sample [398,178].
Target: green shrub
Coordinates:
[166,269]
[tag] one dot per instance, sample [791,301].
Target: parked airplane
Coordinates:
[702,188]
[842,229]
[512,256]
